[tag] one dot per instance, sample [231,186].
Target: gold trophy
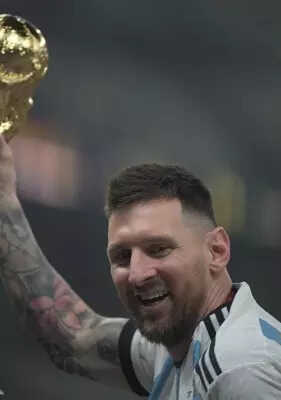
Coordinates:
[23,62]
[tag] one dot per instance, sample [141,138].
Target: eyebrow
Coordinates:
[115,247]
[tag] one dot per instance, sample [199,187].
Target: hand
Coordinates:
[7,171]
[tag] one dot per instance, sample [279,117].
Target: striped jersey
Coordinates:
[235,354]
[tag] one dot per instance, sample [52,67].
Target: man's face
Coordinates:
[159,265]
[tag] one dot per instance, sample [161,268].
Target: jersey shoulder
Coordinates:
[246,347]
[249,335]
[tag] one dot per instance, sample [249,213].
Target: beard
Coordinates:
[177,326]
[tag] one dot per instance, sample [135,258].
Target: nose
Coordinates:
[142,268]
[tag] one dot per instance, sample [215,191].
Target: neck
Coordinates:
[179,351]
[217,296]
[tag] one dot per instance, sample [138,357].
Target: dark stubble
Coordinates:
[178,326]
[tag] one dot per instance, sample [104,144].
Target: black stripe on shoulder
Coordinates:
[205,369]
[125,341]
[210,328]
[213,358]
[220,317]
[199,372]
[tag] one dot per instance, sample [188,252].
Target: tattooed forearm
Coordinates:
[65,360]
[75,337]
[42,298]
[108,351]
[18,249]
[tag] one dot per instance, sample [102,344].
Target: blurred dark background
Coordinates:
[191,82]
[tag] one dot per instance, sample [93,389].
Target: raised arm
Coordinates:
[77,339]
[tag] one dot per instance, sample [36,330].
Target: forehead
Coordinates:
[153,217]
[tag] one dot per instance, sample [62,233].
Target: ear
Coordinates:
[219,249]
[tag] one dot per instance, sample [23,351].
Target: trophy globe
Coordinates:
[23,62]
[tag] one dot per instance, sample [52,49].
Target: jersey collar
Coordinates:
[216,318]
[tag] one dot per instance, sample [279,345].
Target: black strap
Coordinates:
[125,341]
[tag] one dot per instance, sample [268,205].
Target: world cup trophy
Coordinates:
[23,62]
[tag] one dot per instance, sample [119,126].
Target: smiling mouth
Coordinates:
[152,300]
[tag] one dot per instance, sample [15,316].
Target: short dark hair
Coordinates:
[147,182]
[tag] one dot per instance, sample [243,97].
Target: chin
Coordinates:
[169,331]
[163,332]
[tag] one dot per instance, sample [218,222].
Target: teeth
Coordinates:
[150,299]
[153,296]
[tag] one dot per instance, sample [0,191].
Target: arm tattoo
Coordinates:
[108,351]
[42,298]
[64,360]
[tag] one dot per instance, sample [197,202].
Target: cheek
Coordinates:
[185,275]
[120,280]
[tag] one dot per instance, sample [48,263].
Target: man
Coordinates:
[197,335]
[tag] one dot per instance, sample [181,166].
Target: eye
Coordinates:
[121,258]
[159,250]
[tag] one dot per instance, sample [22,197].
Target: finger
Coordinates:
[5,150]
[2,139]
